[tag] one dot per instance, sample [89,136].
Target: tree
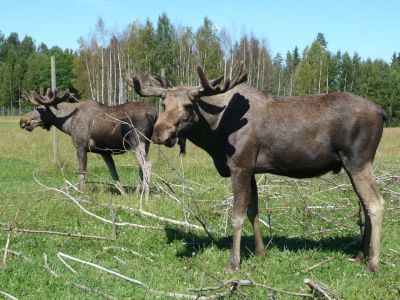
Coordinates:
[208,49]
[166,48]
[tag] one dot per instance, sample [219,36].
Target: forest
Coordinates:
[94,70]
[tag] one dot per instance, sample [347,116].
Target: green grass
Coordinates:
[182,258]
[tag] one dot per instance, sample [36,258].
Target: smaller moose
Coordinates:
[96,128]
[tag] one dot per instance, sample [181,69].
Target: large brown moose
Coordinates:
[97,128]
[247,132]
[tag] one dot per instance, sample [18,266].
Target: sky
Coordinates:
[370,28]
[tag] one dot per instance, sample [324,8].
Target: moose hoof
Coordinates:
[260,252]
[231,268]
[373,267]
[359,258]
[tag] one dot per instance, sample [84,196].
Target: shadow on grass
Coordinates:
[194,243]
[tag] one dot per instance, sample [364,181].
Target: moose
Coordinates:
[247,132]
[97,128]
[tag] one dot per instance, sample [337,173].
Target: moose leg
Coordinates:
[113,172]
[144,167]
[373,206]
[365,236]
[252,214]
[82,160]
[241,185]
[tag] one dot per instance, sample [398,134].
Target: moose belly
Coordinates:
[106,148]
[298,162]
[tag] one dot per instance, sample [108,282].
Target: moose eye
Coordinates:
[188,107]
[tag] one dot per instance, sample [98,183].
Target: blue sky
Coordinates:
[368,27]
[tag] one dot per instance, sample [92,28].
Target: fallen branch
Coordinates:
[314,266]
[163,219]
[284,292]
[94,215]
[46,265]
[234,283]
[8,296]
[319,288]
[73,235]
[63,255]
[18,254]
[4,265]
[65,264]
[91,290]
[112,212]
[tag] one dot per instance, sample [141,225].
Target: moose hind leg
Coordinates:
[113,172]
[252,214]
[373,206]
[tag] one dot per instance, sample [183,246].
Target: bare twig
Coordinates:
[316,265]
[163,219]
[62,255]
[46,264]
[110,204]
[8,296]
[94,215]
[91,290]
[18,254]
[10,228]
[65,264]
[68,234]
[4,265]
[283,292]
[319,288]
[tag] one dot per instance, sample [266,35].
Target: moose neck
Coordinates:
[62,115]
[205,133]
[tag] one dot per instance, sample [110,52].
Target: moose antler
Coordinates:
[213,87]
[49,99]
[147,84]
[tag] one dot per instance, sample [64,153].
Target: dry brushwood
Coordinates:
[8,296]
[67,234]
[76,202]
[319,288]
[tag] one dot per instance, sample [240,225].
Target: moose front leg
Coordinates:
[113,172]
[82,160]
[241,185]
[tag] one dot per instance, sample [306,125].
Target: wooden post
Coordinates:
[160,109]
[56,152]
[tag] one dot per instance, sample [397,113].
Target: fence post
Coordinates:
[56,152]
[160,109]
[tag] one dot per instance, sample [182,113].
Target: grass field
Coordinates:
[312,221]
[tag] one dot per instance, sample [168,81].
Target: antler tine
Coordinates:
[140,88]
[204,80]
[127,77]
[65,95]
[214,87]
[240,77]
[52,98]
[30,97]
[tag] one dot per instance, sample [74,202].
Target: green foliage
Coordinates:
[209,49]
[23,67]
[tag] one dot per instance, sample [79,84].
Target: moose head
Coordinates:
[179,103]
[44,113]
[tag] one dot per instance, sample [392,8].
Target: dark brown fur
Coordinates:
[247,132]
[100,129]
